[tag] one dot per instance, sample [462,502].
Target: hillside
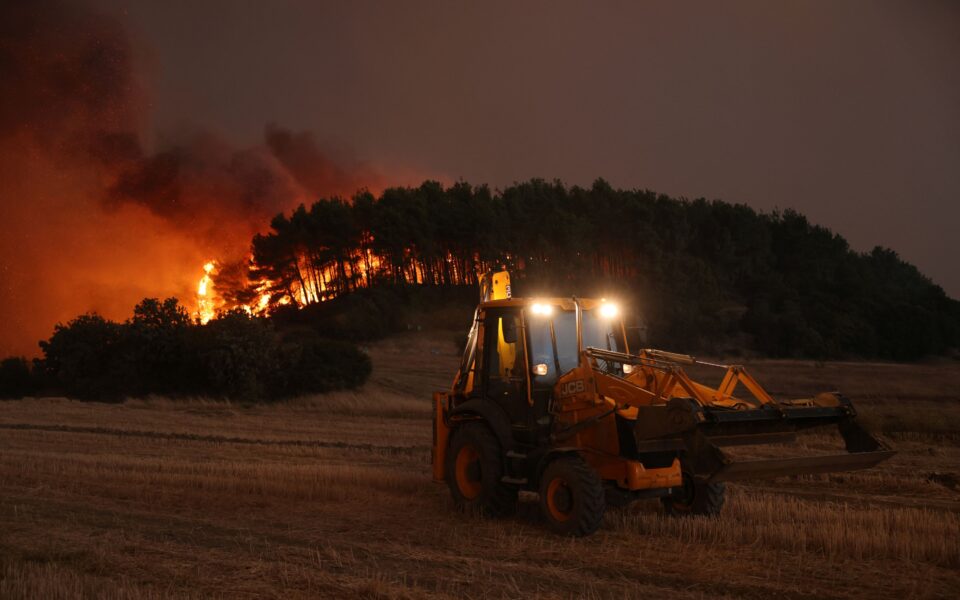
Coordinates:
[705,275]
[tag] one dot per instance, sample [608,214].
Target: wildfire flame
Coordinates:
[316,286]
[205,302]
[209,302]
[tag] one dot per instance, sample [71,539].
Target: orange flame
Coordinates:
[205,301]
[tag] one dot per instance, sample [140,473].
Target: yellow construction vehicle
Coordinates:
[549,398]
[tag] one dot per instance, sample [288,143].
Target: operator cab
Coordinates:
[526,346]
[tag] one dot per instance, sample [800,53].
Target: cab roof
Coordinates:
[563,303]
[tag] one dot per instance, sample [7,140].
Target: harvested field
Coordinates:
[331,497]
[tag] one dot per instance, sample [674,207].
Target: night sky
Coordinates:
[848,112]
[141,140]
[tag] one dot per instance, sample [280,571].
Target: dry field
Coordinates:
[331,497]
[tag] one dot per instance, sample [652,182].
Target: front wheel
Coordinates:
[695,497]
[473,472]
[571,496]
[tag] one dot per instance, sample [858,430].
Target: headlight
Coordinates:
[627,369]
[609,310]
[540,369]
[543,310]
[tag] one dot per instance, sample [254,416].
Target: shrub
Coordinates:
[160,351]
[238,355]
[16,380]
[313,365]
[155,352]
[81,358]
[367,314]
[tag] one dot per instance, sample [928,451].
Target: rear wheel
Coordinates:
[571,496]
[695,498]
[473,472]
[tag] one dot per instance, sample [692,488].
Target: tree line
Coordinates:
[705,275]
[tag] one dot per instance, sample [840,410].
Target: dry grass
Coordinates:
[39,578]
[330,496]
[371,401]
[834,531]
[143,479]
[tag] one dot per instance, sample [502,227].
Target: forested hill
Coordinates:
[706,275]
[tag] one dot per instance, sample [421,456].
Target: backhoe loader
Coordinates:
[550,399]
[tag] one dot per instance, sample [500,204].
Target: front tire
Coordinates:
[571,496]
[695,498]
[474,468]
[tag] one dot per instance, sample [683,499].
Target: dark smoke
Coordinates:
[92,218]
[67,73]
[205,177]
[312,168]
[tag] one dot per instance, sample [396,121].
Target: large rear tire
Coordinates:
[695,498]
[473,472]
[571,496]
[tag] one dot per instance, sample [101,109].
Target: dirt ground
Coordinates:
[331,497]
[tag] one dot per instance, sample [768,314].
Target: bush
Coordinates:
[317,365]
[239,356]
[16,380]
[367,314]
[155,352]
[81,358]
[160,351]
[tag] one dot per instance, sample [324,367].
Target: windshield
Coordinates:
[598,332]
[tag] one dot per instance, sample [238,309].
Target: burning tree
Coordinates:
[336,247]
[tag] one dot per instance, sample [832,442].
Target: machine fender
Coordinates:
[494,417]
[545,458]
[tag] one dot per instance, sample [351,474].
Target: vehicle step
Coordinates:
[514,480]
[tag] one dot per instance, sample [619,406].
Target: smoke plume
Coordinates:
[92,220]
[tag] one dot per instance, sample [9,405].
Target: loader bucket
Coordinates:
[700,432]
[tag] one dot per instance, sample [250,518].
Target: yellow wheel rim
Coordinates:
[467,470]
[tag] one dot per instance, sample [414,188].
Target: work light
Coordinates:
[609,310]
[543,310]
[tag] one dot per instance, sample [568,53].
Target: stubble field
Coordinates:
[331,497]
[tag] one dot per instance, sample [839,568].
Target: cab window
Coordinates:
[605,334]
[541,342]
[506,370]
